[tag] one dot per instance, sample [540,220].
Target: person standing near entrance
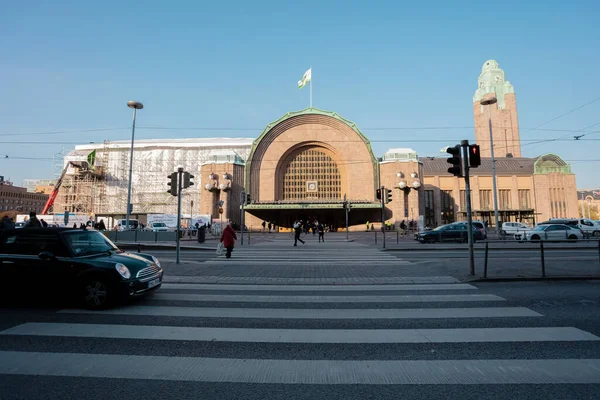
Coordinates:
[228,239]
[297,231]
[264,224]
[321,229]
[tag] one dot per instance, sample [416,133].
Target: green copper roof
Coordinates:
[549,163]
[315,111]
[492,80]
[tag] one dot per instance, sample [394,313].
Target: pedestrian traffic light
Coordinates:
[455,160]
[173,183]
[388,196]
[474,156]
[378,194]
[187,180]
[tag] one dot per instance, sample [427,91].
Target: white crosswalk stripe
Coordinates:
[158,310]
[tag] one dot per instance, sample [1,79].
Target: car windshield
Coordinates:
[540,227]
[85,243]
[441,228]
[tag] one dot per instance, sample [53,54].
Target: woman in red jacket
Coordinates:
[228,239]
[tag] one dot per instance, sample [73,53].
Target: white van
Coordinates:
[587,226]
[133,224]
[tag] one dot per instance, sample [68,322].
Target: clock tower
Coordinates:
[505,123]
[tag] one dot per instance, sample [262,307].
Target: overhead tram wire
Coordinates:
[65,132]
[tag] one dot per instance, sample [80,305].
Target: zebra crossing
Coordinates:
[337,252]
[226,326]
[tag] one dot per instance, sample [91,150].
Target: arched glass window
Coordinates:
[312,175]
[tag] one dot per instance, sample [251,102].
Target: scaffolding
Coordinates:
[101,189]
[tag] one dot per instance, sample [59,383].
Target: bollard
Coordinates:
[375,237]
[139,248]
[249,236]
[397,237]
[543,260]
[599,250]
[485,264]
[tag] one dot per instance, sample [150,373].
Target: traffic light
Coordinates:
[455,160]
[173,183]
[474,156]
[378,194]
[388,196]
[345,204]
[187,177]
[247,198]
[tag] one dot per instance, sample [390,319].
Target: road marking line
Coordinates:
[314,288]
[251,335]
[325,372]
[327,314]
[417,298]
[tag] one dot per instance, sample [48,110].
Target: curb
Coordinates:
[532,279]
[430,248]
[135,246]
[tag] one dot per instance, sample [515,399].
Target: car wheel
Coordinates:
[596,233]
[96,293]
[573,238]
[535,238]
[430,240]
[502,233]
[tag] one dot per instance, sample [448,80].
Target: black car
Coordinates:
[455,232]
[84,264]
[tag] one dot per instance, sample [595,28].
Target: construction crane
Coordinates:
[54,193]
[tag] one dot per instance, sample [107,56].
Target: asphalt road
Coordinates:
[154,374]
[318,321]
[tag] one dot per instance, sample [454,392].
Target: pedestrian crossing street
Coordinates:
[280,251]
[413,333]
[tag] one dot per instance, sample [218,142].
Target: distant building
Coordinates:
[16,200]
[589,203]
[32,184]
[304,164]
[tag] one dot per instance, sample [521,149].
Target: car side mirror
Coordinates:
[46,255]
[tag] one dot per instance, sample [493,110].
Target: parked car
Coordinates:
[133,225]
[455,232]
[554,232]
[159,227]
[513,228]
[587,226]
[81,263]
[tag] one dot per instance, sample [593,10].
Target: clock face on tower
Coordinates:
[312,186]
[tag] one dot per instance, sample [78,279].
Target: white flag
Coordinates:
[305,78]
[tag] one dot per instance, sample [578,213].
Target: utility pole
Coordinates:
[383,194]
[465,158]
[346,212]
[179,187]
[243,202]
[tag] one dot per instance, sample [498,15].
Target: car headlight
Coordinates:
[123,270]
[155,260]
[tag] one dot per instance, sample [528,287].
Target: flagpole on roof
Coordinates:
[310,86]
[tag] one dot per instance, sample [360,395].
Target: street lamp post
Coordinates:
[136,105]
[488,101]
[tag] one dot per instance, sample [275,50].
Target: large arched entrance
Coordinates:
[308,175]
[303,166]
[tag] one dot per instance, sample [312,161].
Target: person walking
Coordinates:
[297,232]
[264,224]
[228,239]
[270,227]
[33,222]
[321,229]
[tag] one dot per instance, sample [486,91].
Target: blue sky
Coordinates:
[72,65]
